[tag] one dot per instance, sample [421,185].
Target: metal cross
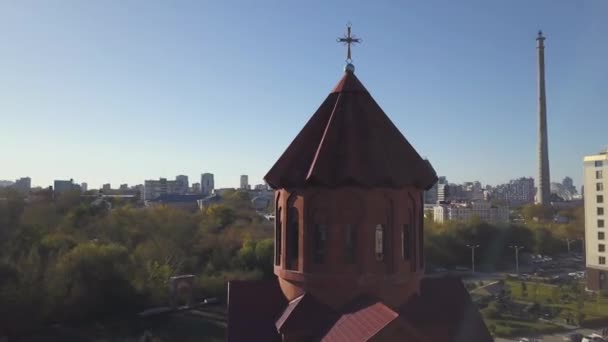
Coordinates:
[348,39]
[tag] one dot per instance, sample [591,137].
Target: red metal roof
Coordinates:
[253,307]
[444,312]
[360,321]
[350,141]
[305,314]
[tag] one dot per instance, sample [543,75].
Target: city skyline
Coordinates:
[136,100]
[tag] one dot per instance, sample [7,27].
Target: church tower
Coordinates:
[349,257]
[349,206]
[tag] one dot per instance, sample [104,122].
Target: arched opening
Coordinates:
[350,244]
[278,227]
[379,242]
[293,234]
[319,243]
[421,232]
[412,238]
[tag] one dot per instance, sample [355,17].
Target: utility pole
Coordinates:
[516,248]
[472,247]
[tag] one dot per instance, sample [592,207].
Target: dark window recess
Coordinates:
[278,236]
[379,242]
[420,236]
[601,248]
[599,199]
[600,223]
[405,241]
[600,211]
[600,235]
[320,243]
[293,238]
[350,243]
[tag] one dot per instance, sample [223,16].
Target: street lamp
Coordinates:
[472,247]
[568,242]
[516,248]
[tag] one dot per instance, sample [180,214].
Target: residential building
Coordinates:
[244,182]
[124,187]
[155,188]
[23,185]
[207,184]
[348,251]
[465,211]
[182,184]
[596,218]
[196,188]
[62,186]
[442,192]
[431,196]
[84,187]
[517,192]
[106,187]
[261,187]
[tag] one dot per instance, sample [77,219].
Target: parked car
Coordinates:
[593,338]
[574,337]
[461,268]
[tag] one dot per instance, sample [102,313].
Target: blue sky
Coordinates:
[122,91]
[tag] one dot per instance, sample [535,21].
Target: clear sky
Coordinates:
[122,91]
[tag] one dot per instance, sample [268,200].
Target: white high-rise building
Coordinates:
[596,197]
[84,187]
[207,183]
[244,182]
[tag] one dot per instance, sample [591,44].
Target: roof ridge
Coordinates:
[321,142]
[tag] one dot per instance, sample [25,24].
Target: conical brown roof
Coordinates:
[350,141]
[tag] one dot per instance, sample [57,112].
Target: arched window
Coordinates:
[277,232]
[412,252]
[350,244]
[405,241]
[319,243]
[420,234]
[379,242]
[293,234]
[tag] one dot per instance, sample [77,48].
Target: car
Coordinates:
[440,270]
[593,338]
[574,337]
[461,268]
[525,276]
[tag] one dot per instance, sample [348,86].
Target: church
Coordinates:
[349,252]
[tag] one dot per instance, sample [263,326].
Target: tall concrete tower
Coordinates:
[543,193]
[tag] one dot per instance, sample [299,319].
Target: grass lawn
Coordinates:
[561,301]
[510,326]
[550,295]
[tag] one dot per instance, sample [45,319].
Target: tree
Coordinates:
[541,212]
[220,214]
